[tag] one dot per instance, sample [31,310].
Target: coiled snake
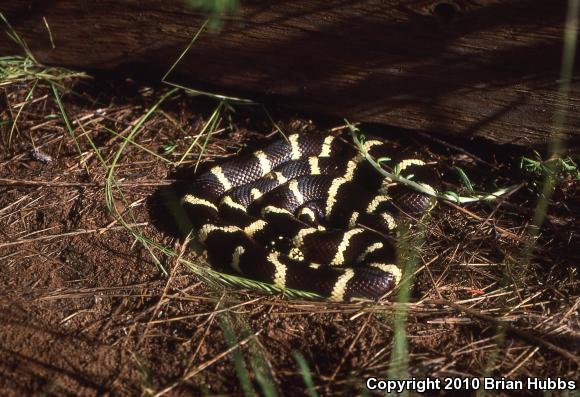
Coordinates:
[308,213]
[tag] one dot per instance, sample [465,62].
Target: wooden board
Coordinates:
[487,68]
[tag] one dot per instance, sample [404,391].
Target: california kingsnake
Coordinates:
[307,213]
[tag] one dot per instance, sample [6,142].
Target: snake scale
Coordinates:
[307,212]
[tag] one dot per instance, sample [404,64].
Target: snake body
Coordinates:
[307,213]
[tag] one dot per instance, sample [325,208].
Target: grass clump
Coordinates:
[557,169]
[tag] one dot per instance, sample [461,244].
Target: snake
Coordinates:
[308,212]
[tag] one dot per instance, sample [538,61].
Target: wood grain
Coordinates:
[475,68]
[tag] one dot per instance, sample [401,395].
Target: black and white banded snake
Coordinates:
[308,213]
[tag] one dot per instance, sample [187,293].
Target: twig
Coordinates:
[501,201]
[349,350]
[19,182]
[208,363]
[510,329]
[67,234]
[163,298]
[459,149]
[479,218]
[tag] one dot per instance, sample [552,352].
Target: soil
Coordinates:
[85,310]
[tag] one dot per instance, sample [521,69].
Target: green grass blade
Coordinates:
[65,117]
[464,179]
[14,122]
[257,358]
[237,358]
[111,183]
[565,81]
[407,258]
[14,36]
[151,152]
[195,36]
[136,129]
[305,372]
[209,126]
[358,139]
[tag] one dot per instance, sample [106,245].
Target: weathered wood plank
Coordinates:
[472,67]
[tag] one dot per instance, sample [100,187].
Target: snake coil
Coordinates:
[307,213]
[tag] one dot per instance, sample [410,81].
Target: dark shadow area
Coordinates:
[165,212]
[469,68]
[16,359]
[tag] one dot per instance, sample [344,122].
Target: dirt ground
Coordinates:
[85,310]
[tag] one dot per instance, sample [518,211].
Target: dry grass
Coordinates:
[98,294]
